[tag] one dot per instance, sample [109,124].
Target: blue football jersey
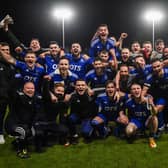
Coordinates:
[69,81]
[109,108]
[79,65]
[31,75]
[97,46]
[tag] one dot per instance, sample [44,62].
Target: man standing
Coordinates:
[6,79]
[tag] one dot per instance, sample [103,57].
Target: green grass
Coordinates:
[109,153]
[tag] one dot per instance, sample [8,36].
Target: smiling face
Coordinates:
[147,47]
[80,87]
[54,49]
[140,61]
[160,47]
[104,56]
[63,65]
[110,89]
[157,67]
[135,47]
[125,54]
[76,49]
[29,89]
[98,66]
[103,32]
[136,91]
[30,59]
[35,45]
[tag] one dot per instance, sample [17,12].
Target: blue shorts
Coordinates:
[105,119]
[138,123]
[160,115]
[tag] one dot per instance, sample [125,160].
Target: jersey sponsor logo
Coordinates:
[164,86]
[110,108]
[140,113]
[75,68]
[30,78]
[54,66]
[1,69]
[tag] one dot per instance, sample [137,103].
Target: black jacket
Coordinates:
[83,105]
[6,77]
[24,109]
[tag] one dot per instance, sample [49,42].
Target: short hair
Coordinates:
[140,55]
[135,83]
[59,85]
[35,39]
[147,42]
[103,25]
[104,52]
[97,59]
[155,60]
[4,44]
[110,81]
[80,79]
[63,58]
[53,42]
[124,65]
[158,41]
[30,52]
[135,42]
[75,43]
[125,49]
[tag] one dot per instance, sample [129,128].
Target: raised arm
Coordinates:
[112,52]
[119,43]
[152,107]
[144,92]
[7,57]
[117,80]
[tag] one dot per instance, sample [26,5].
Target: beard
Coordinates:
[124,77]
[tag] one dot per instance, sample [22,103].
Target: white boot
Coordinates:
[5,21]
[2,140]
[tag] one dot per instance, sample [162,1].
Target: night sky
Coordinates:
[32,18]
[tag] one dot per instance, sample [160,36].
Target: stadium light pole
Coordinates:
[63,14]
[153,16]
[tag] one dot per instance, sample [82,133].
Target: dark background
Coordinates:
[32,18]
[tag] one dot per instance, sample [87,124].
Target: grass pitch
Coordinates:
[109,153]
